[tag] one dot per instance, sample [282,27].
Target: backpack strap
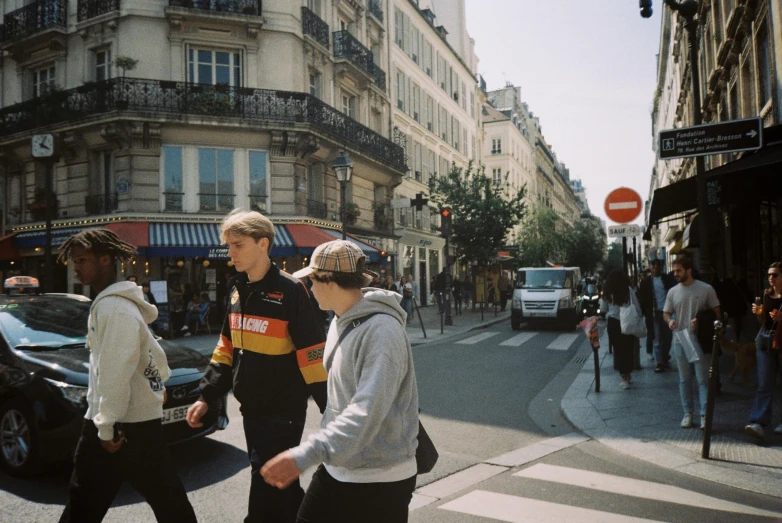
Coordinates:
[353,324]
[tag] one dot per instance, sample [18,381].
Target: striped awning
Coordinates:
[373,253]
[203,239]
[27,240]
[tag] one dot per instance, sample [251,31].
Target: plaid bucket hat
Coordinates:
[336,256]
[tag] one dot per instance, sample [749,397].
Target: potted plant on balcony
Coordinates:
[125,63]
[352,212]
[381,217]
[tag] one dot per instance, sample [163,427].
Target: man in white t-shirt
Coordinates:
[682,305]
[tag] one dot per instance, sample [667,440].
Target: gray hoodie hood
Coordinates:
[376,300]
[132,292]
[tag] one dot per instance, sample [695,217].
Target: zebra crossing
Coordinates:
[561,342]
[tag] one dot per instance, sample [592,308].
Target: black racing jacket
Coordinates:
[270,350]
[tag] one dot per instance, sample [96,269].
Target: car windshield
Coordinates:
[44,321]
[544,279]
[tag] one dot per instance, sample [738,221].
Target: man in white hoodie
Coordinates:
[122,437]
[368,435]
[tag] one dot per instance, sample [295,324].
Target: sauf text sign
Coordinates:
[623,231]
[716,138]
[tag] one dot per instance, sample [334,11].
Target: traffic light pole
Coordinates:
[448,280]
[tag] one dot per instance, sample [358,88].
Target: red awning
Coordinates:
[8,251]
[135,233]
[307,237]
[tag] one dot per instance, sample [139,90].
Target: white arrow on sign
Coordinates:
[623,231]
[753,133]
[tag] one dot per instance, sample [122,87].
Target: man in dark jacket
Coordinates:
[652,293]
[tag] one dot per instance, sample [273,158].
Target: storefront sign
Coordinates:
[218,252]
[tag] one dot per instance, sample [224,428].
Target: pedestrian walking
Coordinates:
[467,291]
[768,353]
[617,293]
[270,353]
[504,287]
[122,435]
[367,442]
[652,294]
[407,298]
[456,289]
[438,289]
[683,303]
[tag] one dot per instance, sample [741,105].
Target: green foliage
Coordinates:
[586,244]
[483,213]
[614,259]
[543,238]
[125,63]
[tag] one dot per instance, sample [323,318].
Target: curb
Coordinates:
[448,335]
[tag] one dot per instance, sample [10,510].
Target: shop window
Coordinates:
[216,180]
[173,191]
[258,181]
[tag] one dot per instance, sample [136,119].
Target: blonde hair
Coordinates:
[247,223]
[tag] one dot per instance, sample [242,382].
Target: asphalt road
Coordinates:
[490,393]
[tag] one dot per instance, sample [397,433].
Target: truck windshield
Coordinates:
[542,279]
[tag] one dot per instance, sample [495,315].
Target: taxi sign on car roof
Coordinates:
[21,284]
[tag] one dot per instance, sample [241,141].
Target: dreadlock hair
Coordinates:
[101,242]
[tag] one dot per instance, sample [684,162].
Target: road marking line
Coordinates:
[478,337]
[513,509]
[419,501]
[635,487]
[461,480]
[518,339]
[537,450]
[622,205]
[563,342]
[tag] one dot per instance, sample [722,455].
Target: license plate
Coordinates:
[175,414]
[539,314]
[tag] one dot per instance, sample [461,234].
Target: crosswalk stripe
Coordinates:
[461,480]
[519,339]
[477,338]
[635,487]
[563,342]
[513,509]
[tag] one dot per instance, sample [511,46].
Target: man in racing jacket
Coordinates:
[270,353]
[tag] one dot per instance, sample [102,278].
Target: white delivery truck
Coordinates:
[546,294]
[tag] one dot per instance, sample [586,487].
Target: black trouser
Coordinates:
[143,460]
[331,501]
[266,437]
[624,346]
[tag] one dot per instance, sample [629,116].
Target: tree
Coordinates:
[543,238]
[483,212]
[614,259]
[586,244]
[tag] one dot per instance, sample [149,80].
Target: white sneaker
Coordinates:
[778,430]
[703,422]
[187,334]
[687,421]
[624,384]
[755,430]
[184,329]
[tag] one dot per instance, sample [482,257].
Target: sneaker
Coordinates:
[188,333]
[687,421]
[778,430]
[184,329]
[703,422]
[755,430]
[624,384]
[659,368]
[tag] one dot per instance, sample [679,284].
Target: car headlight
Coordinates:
[516,303]
[594,298]
[564,303]
[75,394]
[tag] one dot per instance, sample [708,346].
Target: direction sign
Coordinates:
[713,138]
[623,231]
[622,205]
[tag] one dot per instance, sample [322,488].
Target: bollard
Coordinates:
[597,369]
[713,374]
[420,319]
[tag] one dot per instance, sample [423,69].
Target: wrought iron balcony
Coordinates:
[379,76]
[375,9]
[347,46]
[100,203]
[161,97]
[317,209]
[313,26]
[34,17]
[245,7]
[91,8]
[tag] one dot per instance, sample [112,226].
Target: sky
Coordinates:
[587,69]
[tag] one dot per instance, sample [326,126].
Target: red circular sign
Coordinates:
[623,205]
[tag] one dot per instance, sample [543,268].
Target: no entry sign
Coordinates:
[622,205]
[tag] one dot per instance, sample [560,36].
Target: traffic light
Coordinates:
[446,225]
[646,8]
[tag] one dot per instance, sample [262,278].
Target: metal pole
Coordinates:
[635,262]
[624,254]
[47,262]
[689,9]
[713,376]
[342,187]
[448,292]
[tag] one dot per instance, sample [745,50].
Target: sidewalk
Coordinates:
[644,422]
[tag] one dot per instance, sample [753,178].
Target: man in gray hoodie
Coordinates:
[368,437]
[122,437]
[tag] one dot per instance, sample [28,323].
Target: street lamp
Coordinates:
[343,168]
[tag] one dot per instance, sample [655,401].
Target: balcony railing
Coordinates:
[375,9]
[100,203]
[162,97]
[347,46]
[379,76]
[33,18]
[245,7]
[91,8]
[313,26]
[317,209]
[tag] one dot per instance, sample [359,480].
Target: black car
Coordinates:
[44,368]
